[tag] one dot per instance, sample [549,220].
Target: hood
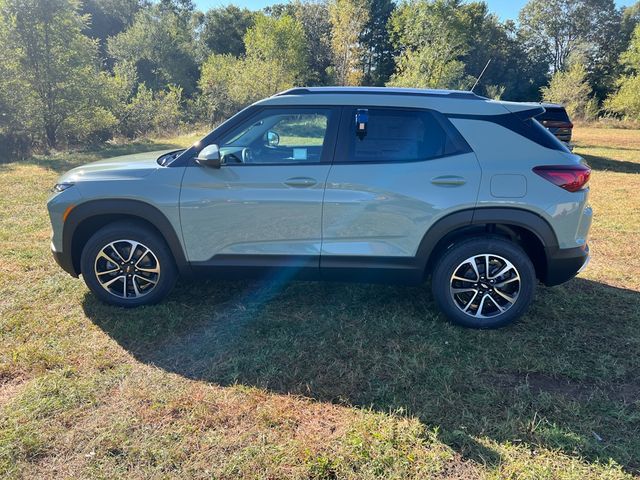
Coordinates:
[134,166]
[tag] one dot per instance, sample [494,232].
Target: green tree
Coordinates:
[571,89]
[626,100]
[348,20]
[378,54]
[630,17]
[160,43]
[279,40]
[559,27]
[108,18]
[486,38]
[52,66]
[429,36]
[314,17]
[224,28]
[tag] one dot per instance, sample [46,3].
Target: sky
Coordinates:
[506,9]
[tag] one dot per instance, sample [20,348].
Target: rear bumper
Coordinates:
[65,262]
[564,264]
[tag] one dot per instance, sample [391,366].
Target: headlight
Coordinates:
[61,187]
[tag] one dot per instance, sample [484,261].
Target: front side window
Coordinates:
[387,135]
[278,136]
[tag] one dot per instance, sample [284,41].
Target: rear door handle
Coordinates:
[448,180]
[300,182]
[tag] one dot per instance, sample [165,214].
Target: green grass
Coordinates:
[284,379]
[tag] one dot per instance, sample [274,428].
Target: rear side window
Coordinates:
[395,135]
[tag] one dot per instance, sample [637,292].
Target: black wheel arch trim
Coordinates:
[486,215]
[126,208]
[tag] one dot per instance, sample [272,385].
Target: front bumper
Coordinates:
[564,264]
[65,262]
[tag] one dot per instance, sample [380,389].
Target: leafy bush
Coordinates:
[571,89]
[626,101]
[149,112]
[228,83]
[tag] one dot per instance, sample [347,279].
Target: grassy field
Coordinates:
[309,380]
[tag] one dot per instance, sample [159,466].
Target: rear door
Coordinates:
[391,179]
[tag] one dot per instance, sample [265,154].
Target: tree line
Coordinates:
[76,72]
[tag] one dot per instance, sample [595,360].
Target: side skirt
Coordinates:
[386,270]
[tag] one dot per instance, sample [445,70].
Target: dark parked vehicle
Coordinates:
[556,120]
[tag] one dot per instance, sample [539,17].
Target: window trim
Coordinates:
[328,146]
[342,157]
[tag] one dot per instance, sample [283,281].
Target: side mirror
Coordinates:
[209,156]
[272,138]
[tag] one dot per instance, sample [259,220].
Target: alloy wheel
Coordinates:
[127,269]
[485,285]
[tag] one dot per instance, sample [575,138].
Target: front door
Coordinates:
[263,206]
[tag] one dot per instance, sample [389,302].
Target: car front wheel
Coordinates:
[484,282]
[128,265]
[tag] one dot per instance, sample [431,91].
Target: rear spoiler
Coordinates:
[524,111]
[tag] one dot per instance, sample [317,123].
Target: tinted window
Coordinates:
[276,136]
[535,132]
[554,115]
[402,136]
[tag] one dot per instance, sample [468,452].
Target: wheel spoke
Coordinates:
[496,303]
[479,311]
[505,296]
[466,307]
[135,286]
[456,291]
[134,246]
[142,256]
[108,283]
[506,268]
[472,261]
[113,270]
[104,255]
[462,279]
[152,282]
[155,269]
[113,247]
[511,280]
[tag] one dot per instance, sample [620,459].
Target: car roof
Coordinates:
[444,101]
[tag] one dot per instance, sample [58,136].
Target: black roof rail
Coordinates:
[379,91]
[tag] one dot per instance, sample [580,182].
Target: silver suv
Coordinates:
[364,184]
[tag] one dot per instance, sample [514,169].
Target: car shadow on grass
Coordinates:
[564,378]
[610,164]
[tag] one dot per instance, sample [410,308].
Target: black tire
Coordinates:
[499,249]
[149,292]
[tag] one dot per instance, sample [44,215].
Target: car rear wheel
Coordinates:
[128,265]
[484,282]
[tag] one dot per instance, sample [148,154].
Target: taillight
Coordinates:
[570,177]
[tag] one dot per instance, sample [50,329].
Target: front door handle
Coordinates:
[448,180]
[300,182]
